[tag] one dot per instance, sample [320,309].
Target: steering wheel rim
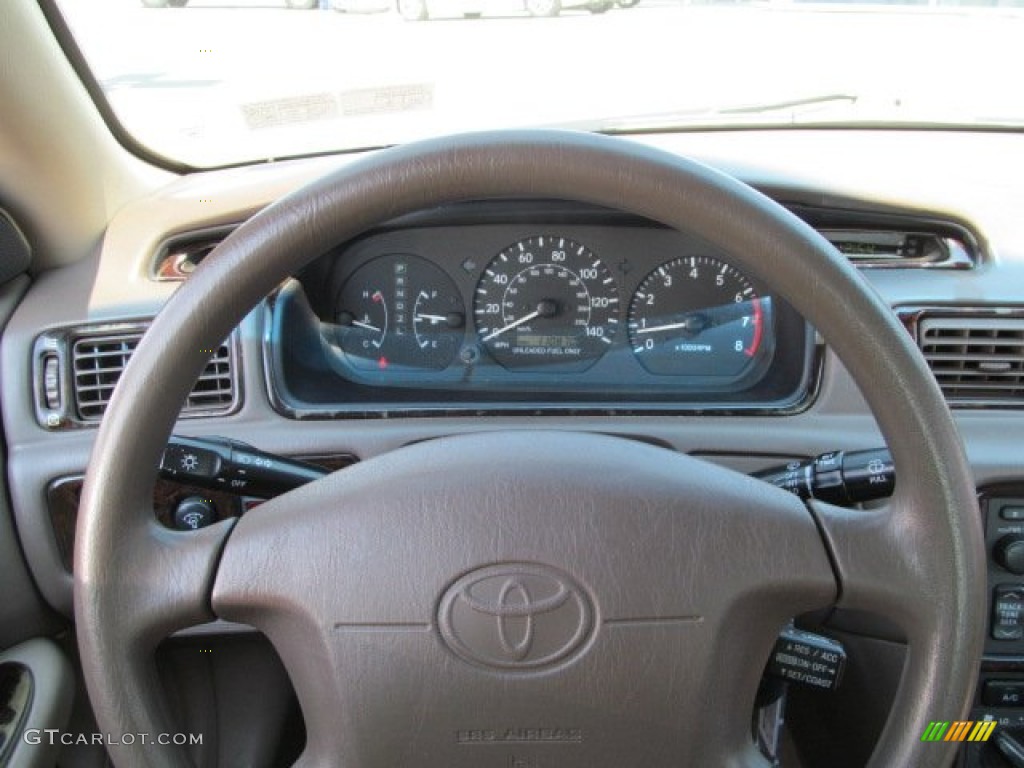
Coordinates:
[920,560]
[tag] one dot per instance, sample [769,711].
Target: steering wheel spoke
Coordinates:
[878,558]
[876,566]
[162,579]
[154,582]
[883,568]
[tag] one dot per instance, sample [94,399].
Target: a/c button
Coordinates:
[1003,693]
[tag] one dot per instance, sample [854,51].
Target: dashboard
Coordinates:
[331,368]
[533,303]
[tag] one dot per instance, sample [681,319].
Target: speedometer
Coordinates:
[547,303]
[698,316]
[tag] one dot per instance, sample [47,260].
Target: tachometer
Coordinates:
[547,303]
[697,316]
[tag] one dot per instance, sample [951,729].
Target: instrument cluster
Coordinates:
[548,304]
[551,310]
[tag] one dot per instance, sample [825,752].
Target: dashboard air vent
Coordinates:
[178,258]
[978,360]
[98,361]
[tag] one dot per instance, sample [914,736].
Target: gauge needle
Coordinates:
[666,327]
[367,326]
[513,324]
[709,317]
[432,318]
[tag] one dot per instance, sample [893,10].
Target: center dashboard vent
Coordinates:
[76,372]
[977,356]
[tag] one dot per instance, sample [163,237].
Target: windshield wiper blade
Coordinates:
[790,111]
[790,104]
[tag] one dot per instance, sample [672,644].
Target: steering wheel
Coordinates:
[530,598]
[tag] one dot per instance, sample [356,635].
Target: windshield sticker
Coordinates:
[294,109]
[387,98]
[313,107]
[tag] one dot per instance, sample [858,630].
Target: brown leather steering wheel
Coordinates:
[655,584]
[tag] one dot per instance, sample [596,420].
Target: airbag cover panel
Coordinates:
[526,595]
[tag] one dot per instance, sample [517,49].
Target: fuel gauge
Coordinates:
[436,322]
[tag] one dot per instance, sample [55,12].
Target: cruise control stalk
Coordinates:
[838,477]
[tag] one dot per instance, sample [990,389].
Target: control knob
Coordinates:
[1009,553]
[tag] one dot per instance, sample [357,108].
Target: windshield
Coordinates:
[217,82]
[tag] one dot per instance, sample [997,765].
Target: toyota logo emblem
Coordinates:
[515,616]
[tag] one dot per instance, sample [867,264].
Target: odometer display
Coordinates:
[697,316]
[546,303]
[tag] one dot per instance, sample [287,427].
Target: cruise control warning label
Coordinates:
[807,659]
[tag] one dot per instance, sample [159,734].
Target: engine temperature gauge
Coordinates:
[364,321]
[399,311]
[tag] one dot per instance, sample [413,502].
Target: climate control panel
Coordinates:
[1004,539]
[1000,692]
